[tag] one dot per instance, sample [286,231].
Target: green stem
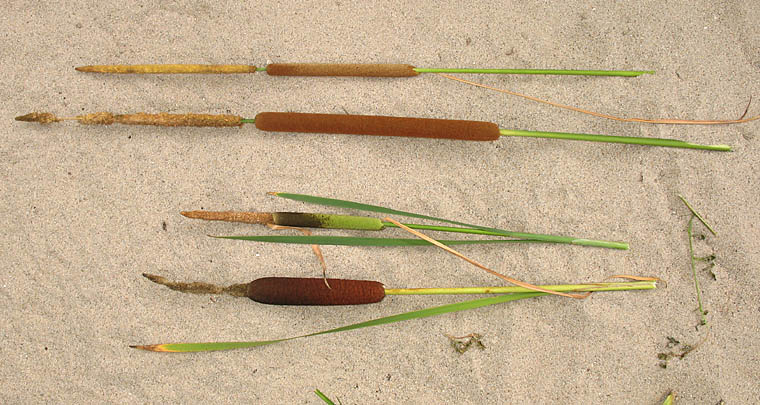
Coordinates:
[694,272]
[624,73]
[671,143]
[619,286]
[521,235]
[696,214]
[248,120]
[324,397]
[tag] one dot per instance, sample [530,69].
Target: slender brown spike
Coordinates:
[340,69]
[41,117]
[167,69]
[377,125]
[235,290]
[312,291]
[180,120]
[232,216]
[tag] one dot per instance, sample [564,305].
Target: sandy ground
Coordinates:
[87,209]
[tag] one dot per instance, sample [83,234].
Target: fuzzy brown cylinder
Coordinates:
[313,291]
[341,69]
[377,125]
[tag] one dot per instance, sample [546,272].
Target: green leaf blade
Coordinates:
[332,202]
[365,241]
[423,313]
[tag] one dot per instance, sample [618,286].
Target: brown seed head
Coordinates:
[313,291]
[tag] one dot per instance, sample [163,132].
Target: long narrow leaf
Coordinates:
[424,313]
[331,202]
[362,241]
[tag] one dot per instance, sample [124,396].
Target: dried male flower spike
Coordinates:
[41,117]
[98,118]
[168,68]
[160,119]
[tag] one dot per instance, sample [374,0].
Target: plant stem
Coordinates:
[694,272]
[619,286]
[624,73]
[633,140]
[248,120]
[520,235]
[696,214]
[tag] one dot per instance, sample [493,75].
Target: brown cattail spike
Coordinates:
[377,125]
[337,69]
[41,117]
[168,69]
[312,291]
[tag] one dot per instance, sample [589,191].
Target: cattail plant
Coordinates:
[334,221]
[362,223]
[289,291]
[338,69]
[356,125]
[313,291]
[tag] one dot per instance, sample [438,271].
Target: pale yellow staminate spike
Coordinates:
[315,248]
[232,216]
[167,69]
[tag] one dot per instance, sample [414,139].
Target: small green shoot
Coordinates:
[693,259]
[324,397]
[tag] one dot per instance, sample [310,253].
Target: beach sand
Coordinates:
[87,209]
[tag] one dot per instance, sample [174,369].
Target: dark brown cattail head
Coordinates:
[377,125]
[341,69]
[313,291]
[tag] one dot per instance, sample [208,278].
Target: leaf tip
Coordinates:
[151,348]
[152,277]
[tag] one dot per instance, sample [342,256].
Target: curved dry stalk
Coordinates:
[607,116]
[317,250]
[476,264]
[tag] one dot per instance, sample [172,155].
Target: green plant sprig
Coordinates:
[629,140]
[693,258]
[561,72]
[363,223]
[364,241]
[323,397]
[332,202]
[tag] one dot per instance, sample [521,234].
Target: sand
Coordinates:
[87,209]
